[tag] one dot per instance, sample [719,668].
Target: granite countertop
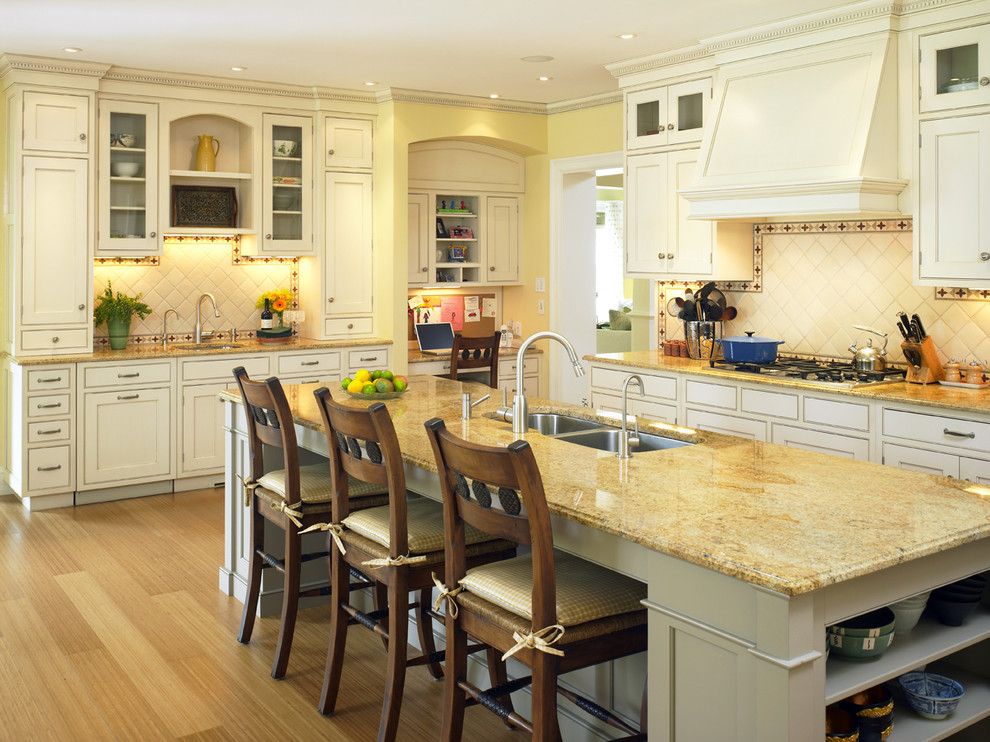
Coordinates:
[790,520]
[150,351]
[932,395]
[418,356]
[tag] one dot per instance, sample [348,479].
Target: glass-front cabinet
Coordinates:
[672,114]
[955,69]
[128,179]
[287,227]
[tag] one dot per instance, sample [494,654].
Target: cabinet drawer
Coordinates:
[48,468]
[974,470]
[838,414]
[49,432]
[50,405]
[773,404]
[370,358]
[309,362]
[507,367]
[56,340]
[431,368]
[349,326]
[127,375]
[663,387]
[916,459]
[666,413]
[946,431]
[713,395]
[222,369]
[58,377]
[606,402]
[834,444]
[703,420]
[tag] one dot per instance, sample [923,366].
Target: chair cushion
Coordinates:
[314,484]
[424,520]
[585,591]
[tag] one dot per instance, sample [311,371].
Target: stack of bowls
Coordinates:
[874,712]
[954,603]
[864,637]
[907,612]
[930,695]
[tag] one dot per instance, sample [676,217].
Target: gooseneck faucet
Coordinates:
[165,325]
[198,333]
[624,452]
[520,408]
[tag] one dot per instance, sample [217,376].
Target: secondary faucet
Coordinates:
[198,333]
[165,325]
[624,452]
[520,409]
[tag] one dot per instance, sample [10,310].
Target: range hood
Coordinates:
[811,132]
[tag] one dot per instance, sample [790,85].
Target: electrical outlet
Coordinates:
[541,285]
[517,328]
[541,307]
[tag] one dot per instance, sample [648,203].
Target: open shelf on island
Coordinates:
[974,706]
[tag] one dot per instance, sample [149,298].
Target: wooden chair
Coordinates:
[476,353]
[553,612]
[294,498]
[399,545]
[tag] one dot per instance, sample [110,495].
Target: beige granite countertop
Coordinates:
[787,519]
[932,395]
[418,356]
[151,351]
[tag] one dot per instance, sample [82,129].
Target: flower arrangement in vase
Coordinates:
[278,302]
[116,311]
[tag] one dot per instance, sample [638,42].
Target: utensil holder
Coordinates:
[701,337]
[923,364]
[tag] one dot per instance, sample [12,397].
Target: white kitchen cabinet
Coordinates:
[348,143]
[834,444]
[690,241]
[954,191]
[671,114]
[755,430]
[916,459]
[56,247]
[954,68]
[56,122]
[201,441]
[287,185]
[126,436]
[502,238]
[128,179]
[349,261]
[974,470]
[419,238]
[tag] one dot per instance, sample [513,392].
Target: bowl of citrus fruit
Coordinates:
[381,384]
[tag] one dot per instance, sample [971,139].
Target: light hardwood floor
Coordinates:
[112,627]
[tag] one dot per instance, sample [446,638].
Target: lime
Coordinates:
[345,383]
[375,375]
[400,384]
[368,389]
[386,374]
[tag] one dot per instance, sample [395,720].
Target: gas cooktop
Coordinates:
[825,372]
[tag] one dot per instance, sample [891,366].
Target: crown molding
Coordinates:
[406,95]
[28,63]
[590,101]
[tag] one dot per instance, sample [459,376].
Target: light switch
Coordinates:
[541,286]
[517,328]
[541,307]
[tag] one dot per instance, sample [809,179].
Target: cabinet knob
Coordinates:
[82,137]
[330,300]
[82,306]
[659,256]
[670,127]
[350,325]
[153,234]
[425,269]
[55,339]
[491,268]
[985,256]
[984,81]
[330,152]
[268,236]
[670,256]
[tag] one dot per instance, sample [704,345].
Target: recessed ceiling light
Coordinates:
[237,69]
[538,58]
[545,78]
[493,96]
[626,36]
[72,49]
[371,83]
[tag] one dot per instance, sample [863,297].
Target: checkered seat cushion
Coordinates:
[424,520]
[315,487]
[585,591]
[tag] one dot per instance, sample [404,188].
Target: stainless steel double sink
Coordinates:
[593,434]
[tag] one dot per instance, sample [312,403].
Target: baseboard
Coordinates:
[110,494]
[199,482]
[48,502]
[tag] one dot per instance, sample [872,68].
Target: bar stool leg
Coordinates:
[424,624]
[545,727]
[257,539]
[395,667]
[290,602]
[498,675]
[455,669]
[381,601]
[339,578]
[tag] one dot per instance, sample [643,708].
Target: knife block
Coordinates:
[923,364]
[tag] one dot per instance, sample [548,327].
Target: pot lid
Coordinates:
[750,339]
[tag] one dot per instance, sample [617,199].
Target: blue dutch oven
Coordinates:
[749,349]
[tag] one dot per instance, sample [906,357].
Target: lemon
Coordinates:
[356,386]
[362,375]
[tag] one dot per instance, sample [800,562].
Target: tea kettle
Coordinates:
[868,359]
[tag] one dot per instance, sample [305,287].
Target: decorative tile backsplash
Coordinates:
[184,272]
[816,286]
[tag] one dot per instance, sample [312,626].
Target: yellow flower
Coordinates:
[279,305]
[283,295]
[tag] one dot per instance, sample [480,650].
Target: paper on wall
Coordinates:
[488,307]
[472,312]
[452,311]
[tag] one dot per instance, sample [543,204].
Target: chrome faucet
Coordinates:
[467,406]
[198,333]
[624,452]
[165,326]
[519,414]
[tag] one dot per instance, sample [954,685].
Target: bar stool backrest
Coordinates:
[476,353]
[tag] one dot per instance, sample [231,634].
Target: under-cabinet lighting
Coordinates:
[72,49]
[442,286]
[237,68]
[544,78]
[371,83]
[493,96]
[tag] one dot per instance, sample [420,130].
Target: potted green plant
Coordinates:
[116,311]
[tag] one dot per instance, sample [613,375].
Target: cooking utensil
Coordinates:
[868,359]
[916,322]
[674,307]
[730,313]
[750,349]
[905,331]
[701,339]
[690,311]
[906,324]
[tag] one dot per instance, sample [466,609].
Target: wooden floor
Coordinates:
[112,627]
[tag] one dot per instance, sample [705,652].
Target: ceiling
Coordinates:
[467,47]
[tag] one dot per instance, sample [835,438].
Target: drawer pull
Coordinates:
[56,431]
[369,358]
[350,325]
[129,376]
[50,406]
[50,380]
[957,434]
[128,396]
[50,468]
[309,363]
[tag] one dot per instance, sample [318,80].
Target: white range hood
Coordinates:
[811,132]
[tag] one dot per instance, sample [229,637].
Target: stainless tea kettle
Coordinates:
[868,359]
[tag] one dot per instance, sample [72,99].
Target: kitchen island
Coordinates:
[749,550]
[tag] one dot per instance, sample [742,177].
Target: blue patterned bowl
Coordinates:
[931,696]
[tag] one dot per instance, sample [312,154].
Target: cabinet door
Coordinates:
[646,214]
[201,440]
[955,69]
[128,179]
[834,444]
[687,108]
[127,436]
[755,430]
[646,118]
[691,241]
[974,470]
[916,459]
[349,260]
[348,143]
[502,238]
[56,241]
[56,123]
[287,216]
[419,238]
[953,233]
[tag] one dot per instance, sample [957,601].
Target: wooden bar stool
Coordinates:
[551,611]
[399,545]
[294,498]
[476,353]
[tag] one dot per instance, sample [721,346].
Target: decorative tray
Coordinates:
[964,385]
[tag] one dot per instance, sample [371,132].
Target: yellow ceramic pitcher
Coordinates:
[206,153]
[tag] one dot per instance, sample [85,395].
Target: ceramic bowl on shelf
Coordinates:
[874,623]
[930,695]
[840,725]
[951,612]
[874,712]
[860,648]
[122,140]
[285,148]
[125,169]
